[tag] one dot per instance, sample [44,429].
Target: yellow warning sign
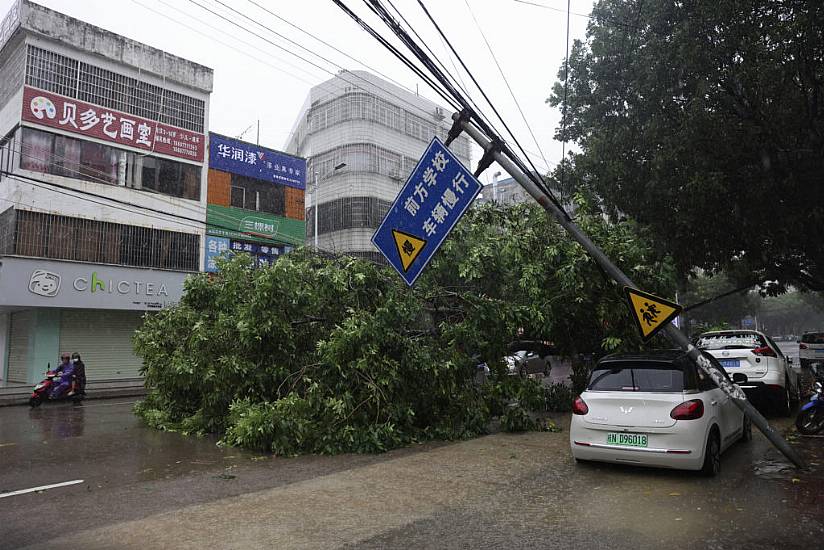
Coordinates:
[650,312]
[409,247]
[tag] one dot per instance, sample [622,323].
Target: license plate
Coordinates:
[730,363]
[627,440]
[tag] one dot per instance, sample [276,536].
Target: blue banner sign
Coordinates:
[247,159]
[215,246]
[434,198]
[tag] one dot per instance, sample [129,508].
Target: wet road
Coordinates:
[145,489]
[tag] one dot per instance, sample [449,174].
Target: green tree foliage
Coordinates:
[326,355]
[705,122]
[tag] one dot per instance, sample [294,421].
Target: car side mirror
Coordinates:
[739,378]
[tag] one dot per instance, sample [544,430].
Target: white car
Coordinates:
[655,409]
[811,348]
[769,377]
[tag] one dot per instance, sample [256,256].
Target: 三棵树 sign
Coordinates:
[434,198]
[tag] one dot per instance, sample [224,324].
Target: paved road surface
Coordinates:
[145,489]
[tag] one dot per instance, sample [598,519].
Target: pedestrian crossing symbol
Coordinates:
[650,312]
[409,247]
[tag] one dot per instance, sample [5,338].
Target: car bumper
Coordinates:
[677,450]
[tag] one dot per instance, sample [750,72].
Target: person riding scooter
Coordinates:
[66,371]
[79,375]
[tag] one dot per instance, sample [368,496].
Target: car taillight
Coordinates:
[579,407]
[688,410]
[802,346]
[765,351]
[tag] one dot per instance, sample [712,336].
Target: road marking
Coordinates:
[41,488]
[7,444]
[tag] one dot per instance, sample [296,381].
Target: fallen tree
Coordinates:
[333,354]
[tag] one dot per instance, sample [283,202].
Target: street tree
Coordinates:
[704,121]
[327,355]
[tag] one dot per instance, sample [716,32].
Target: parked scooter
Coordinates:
[42,391]
[810,418]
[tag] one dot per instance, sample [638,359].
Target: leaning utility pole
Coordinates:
[493,152]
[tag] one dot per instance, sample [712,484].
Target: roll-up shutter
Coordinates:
[104,341]
[21,325]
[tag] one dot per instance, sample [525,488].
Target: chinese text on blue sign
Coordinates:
[434,198]
[246,159]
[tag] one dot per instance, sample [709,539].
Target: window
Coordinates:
[61,237]
[90,161]
[238,197]
[730,340]
[347,213]
[640,376]
[65,76]
[258,195]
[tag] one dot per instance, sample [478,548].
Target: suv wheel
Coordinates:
[785,400]
[712,455]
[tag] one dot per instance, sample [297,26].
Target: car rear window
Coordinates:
[730,341]
[642,376]
[813,338]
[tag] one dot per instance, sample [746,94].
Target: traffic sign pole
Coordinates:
[672,332]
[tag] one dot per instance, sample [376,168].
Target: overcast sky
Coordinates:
[254,79]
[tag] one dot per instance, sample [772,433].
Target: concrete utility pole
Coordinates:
[673,333]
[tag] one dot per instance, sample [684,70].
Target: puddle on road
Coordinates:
[774,468]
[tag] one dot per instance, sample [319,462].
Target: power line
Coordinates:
[537,179]
[126,206]
[345,76]
[564,110]
[506,81]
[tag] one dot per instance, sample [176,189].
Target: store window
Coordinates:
[90,161]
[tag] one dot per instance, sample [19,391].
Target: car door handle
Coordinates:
[713,403]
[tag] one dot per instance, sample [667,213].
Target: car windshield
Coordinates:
[813,338]
[640,376]
[730,340]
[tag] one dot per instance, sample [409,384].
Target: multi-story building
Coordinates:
[506,191]
[102,189]
[363,136]
[255,201]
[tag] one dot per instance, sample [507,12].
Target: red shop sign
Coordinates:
[78,117]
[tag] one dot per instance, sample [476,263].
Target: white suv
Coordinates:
[754,354]
[810,348]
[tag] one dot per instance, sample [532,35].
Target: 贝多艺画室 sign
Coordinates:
[55,111]
[28,282]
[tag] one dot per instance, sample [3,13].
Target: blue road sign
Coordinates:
[434,198]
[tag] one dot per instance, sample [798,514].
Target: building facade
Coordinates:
[362,137]
[255,201]
[102,190]
[505,192]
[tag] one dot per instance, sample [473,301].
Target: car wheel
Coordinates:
[712,455]
[523,371]
[746,431]
[547,368]
[785,406]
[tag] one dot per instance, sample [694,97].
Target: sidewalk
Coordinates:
[98,389]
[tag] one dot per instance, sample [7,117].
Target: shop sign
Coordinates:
[26,282]
[246,159]
[215,247]
[55,111]
[239,224]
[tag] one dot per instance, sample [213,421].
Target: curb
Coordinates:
[20,396]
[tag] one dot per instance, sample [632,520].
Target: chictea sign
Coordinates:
[28,282]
